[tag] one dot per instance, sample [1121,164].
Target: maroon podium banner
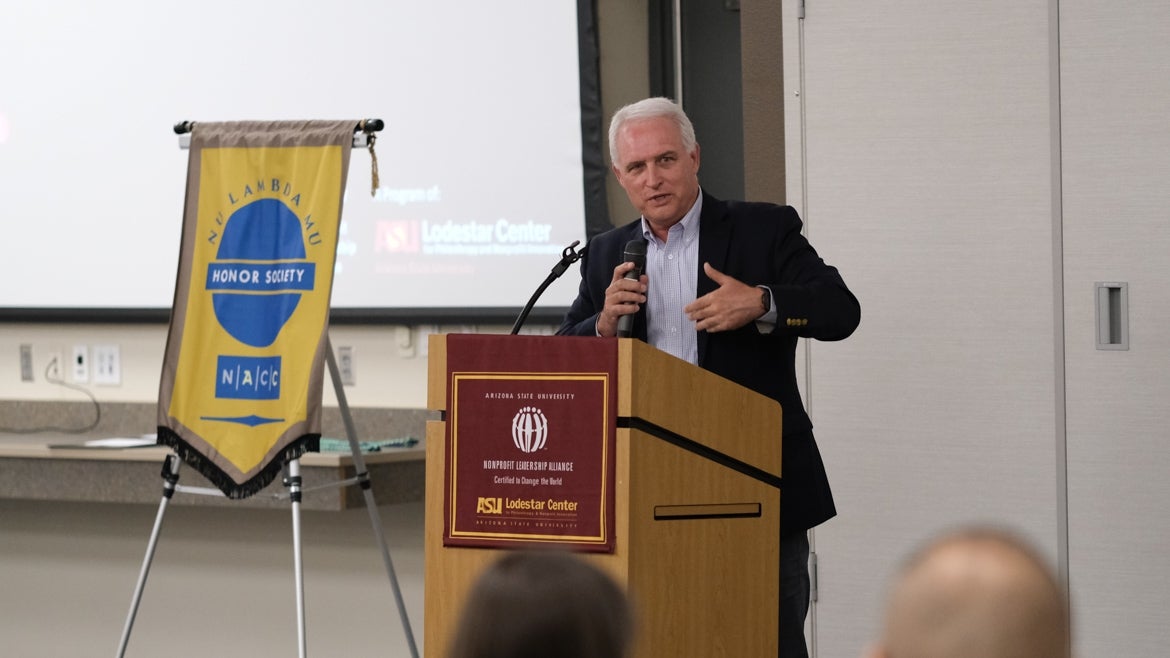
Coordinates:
[531,424]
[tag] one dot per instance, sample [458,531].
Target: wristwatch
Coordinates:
[766,298]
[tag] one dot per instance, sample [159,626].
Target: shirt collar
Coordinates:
[689,223]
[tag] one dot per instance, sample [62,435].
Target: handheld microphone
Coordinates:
[635,253]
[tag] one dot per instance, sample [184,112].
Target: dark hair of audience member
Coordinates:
[540,604]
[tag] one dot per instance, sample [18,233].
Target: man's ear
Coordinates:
[875,650]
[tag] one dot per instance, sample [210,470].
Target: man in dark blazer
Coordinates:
[729,286]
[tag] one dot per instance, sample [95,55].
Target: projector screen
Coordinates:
[480,163]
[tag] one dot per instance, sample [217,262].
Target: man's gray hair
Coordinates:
[651,108]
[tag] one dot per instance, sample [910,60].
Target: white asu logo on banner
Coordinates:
[529,429]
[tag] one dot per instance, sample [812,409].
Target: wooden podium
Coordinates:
[697,518]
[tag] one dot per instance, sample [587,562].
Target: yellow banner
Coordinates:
[243,372]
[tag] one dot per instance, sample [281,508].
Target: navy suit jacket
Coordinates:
[758,244]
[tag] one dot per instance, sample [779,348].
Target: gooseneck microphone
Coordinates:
[568,257]
[635,253]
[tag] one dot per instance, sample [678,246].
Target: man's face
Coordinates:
[661,179]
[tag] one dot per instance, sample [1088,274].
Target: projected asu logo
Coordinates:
[396,237]
[529,429]
[259,272]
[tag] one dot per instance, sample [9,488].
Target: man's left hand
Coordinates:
[730,306]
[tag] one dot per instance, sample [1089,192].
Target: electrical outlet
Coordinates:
[404,340]
[80,364]
[107,365]
[345,365]
[26,363]
[54,365]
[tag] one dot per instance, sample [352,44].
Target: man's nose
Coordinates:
[653,176]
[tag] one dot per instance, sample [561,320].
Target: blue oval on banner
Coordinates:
[259,272]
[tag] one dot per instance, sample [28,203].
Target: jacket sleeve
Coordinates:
[812,300]
[581,320]
[596,273]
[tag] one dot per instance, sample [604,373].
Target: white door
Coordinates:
[920,155]
[1115,108]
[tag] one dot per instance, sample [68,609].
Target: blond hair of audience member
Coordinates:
[536,604]
[976,593]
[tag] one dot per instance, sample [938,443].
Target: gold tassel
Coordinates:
[373,165]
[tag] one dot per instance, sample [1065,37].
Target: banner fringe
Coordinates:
[223,481]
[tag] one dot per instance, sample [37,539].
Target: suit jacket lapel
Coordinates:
[714,243]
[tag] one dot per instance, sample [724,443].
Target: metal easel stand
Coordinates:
[293,481]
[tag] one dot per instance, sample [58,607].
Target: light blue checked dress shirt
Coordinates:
[673,267]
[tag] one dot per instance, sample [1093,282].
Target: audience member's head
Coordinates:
[976,593]
[535,604]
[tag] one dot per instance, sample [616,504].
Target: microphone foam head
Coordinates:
[636,252]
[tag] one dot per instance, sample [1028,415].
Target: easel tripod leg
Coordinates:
[363,475]
[376,522]
[294,490]
[170,475]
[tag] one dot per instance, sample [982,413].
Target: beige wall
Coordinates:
[221,583]
[625,78]
[389,361]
